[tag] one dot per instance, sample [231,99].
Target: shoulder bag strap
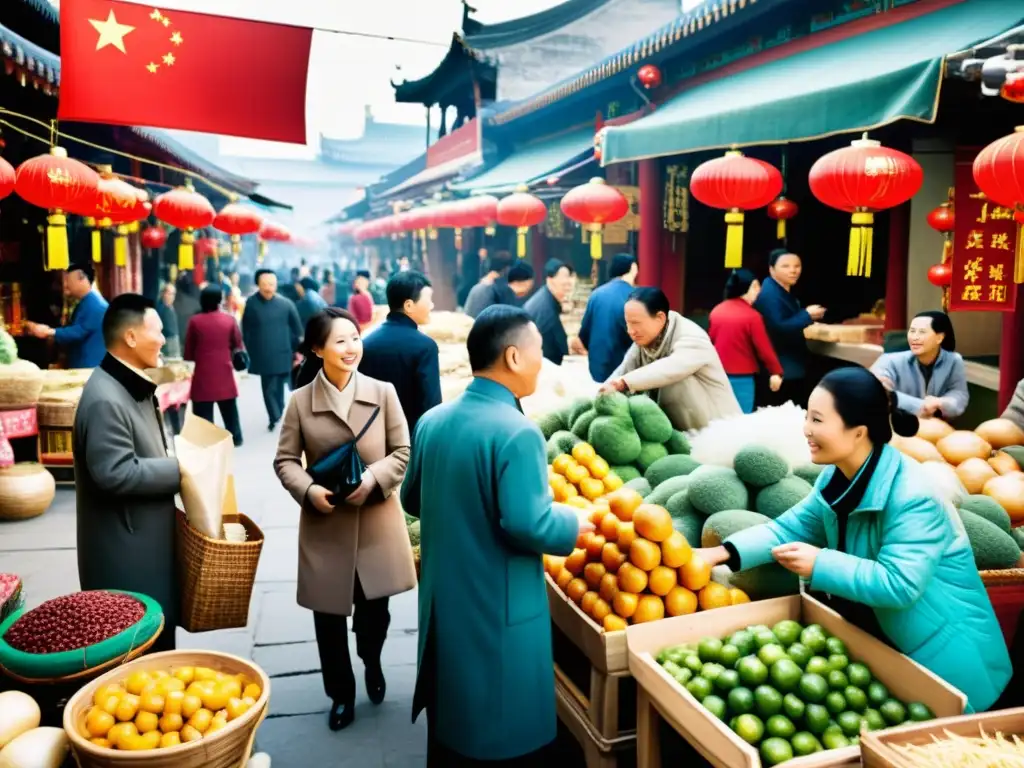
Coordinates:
[369,423]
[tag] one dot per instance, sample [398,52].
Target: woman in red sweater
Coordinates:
[738,333]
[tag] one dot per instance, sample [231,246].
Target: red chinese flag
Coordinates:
[129,64]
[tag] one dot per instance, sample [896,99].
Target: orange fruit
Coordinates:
[680,602]
[575,473]
[598,467]
[594,546]
[563,579]
[559,488]
[609,587]
[591,487]
[612,557]
[561,463]
[576,589]
[649,608]
[584,453]
[577,501]
[626,535]
[593,574]
[553,565]
[675,550]
[613,623]
[652,522]
[714,595]
[737,596]
[661,580]
[609,526]
[625,604]
[588,601]
[623,503]
[570,491]
[644,554]
[695,575]
[574,563]
[596,515]
[631,579]
[612,482]
[600,610]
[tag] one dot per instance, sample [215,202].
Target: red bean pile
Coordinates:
[74,621]
[8,585]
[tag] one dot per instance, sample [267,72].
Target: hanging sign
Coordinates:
[984,245]
[676,199]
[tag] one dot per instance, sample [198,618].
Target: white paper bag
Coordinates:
[206,455]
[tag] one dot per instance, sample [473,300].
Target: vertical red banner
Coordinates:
[984,246]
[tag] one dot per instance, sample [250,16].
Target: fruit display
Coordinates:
[788,690]
[10,594]
[23,744]
[160,709]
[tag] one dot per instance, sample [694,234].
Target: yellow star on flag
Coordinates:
[152,67]
[156,15]
[176,38]
[165,21]
[169,59]
[111,33]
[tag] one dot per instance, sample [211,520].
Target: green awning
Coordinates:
[856,84]
[531,162]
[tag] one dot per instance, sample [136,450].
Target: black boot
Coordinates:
[376,685]
[341,715]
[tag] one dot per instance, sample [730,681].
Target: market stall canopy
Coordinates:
[532,163]
[854,84]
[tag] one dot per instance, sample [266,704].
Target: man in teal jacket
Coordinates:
[478,482]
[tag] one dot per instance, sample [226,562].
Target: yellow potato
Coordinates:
[205,673]
[237,708]
[101,743]
[173,702]
[152,702]
[190,705]
[185,674]
[170,739]
[127,708]
[201,720]
[252,691]
[104,691]
[188,733]
[169,723]
[137,681]
[147,721]
[120,731]
[98,722]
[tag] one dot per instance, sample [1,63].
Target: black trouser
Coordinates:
[228,414]
[273,394]
[370,622]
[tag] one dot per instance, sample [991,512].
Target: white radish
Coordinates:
[38,748]
[18,713]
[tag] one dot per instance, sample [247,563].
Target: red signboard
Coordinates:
[984,245]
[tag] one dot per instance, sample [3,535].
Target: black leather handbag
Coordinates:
[341,470]
[240,360]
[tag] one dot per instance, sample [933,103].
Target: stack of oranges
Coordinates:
[635,567]
[584,476]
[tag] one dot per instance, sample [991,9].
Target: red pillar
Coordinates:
[538,251]
[673,269]
[896,268]
[1011,351]
[651,232]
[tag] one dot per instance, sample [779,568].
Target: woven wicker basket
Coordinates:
[229,747]
[216,577]
[26,490]
[56,413]
[20,384]
[1007,577]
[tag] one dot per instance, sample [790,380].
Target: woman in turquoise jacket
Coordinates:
[884,552]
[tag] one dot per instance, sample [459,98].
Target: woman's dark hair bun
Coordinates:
[904,423]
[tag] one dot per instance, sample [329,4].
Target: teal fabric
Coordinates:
[531,163]
[482,597]
[908,559]
[855,84]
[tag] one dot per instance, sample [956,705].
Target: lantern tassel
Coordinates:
[945,299]
[236,244]
[186,251]
[858,261]
[97,246]
[521,241]
[947,250]
[1018,265]
[458,238]
[734,240]
[56,242]
[262,252]
[596,247]
[121,247]
[780,229]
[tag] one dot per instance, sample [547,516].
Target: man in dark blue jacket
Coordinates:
[399,353]
[82,338]
[603,332]
[786,320]
[545,308]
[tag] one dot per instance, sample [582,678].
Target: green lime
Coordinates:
[799,653]
[699,688]
[874,720]
[715,705]
[728,680]
[818,665]
[671,667]
[813,688]
[785,674]
[834,739]
[780,726]
[752,671]
[661,656]
[837,680]
[918,712]
[775,751]
[771,653]
[878,694]
[683,676]
[711,671]
[835,702]
[709,649]
[792,706]
[819,629]
[753,629]
[787,631]
[835,646]
[893,712]
[849,722]
[741,700]
[765,637]
[856,699]
[678,653]
[729,655]
[732,723]
[838,661]
[814,639]
[693,663]
[804,743]
[743,640]
[768,700]
[749,728]
[816,717]
[859,675]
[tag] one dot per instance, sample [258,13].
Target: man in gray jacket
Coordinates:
[1015,408]
[124,480]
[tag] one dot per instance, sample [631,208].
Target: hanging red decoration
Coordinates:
[999,173]
[593,205]
[117,203]
[649,76]
[862,179]
[207,248]
[940,275]
[59,184]
[7,178]
[154,237]
[1013,87]
[943,220]
[483,212]
[782,209]
[187,210]
[736,184]
[237,220]
[522,211]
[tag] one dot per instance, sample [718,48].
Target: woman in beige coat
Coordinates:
[354,553]
[673,360]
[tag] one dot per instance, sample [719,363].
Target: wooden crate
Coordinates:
[598,751]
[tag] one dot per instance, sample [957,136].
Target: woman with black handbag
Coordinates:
[354,550]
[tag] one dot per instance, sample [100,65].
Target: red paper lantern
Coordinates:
[940,275]
[522,211]
[649,76]
[207,248]
[999,173]
[117,203]
[1013,88]
[593,205]
[59,184]
[7,177]
[275,232]
[782,209]
[942,219]
[237,220]
[736,184]
[154,237]
[862,179]
[187,210]
[482,212]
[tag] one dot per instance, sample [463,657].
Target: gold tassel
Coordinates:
[858,262]
[780,229]
[262,252]
[853,256]
[121,247]
[458,238]
[186,253]
[734,239]
[1018,264]
[57,242]
[596,251]
[521,241]
[236,244]
[97,246]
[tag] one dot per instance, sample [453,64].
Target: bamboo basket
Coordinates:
[20,384]
[216,577]
[26,490]
[1004,578]
[229,747]
[57,412]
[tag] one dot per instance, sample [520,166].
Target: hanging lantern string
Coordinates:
[56,134]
